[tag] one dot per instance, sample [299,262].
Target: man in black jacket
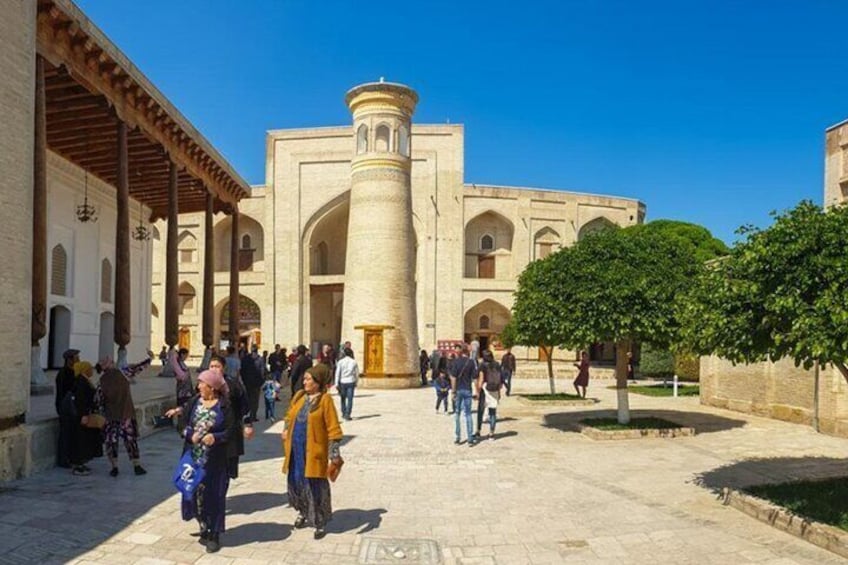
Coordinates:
[299,367]
[252,371]
[65,381]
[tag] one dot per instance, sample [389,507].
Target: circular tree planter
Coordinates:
[559,399]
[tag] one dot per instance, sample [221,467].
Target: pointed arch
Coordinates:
[545,241]
[187,296]
[594,226]
[382,138]
[362,139]
[187,247]
[488,246]
[59,271]
[251,258]
[485,321]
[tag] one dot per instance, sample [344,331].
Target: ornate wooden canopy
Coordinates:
[90,85]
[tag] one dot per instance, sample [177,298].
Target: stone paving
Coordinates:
[539,493]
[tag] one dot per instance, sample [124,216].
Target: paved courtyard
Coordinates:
[539,493]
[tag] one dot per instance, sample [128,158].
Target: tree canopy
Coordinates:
[696,239]
[782,292]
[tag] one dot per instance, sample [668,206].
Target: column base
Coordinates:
[388,381]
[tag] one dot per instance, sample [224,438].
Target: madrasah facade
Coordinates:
[372,225]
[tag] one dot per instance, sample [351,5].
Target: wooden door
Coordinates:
[373,352]
[486,267]
[184,341]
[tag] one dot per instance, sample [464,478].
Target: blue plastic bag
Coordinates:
[188,475]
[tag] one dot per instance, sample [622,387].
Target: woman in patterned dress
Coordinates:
[311,438]
[115,399]
[208,430]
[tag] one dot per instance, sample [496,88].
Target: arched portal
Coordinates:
[251,244]
[488,247]
[248,332]
[485,322]
[594,226]
[59,338]
[107,335]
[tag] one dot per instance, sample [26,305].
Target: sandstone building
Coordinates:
[469,242]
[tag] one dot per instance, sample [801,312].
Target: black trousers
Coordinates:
[481,410]
[253,394]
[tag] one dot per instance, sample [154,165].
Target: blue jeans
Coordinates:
[269,408]
[507,377]
[463,405]
[346,394]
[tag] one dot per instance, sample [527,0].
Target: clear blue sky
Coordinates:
[709,111]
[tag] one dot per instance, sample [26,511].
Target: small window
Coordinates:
[382,142]
[186,256]
[362,139]
[245,242]
[403,141]
[59,271]
[487,243]
[484,322]
[106,281]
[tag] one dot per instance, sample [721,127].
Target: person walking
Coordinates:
[184,386]
[462,375]
[275,362]
[115,399]
[441,384]
[311,437]
[269,392]
[508,369]
[631,369]
[209,425]
[301,363]
[435,363]
[489,384]
[582,379]
[423,366]
[347,377]
[68,421]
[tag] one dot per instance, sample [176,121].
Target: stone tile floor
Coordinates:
[539,493]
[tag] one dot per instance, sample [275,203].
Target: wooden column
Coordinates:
[234,278]
[209,275]
[39,210]
[171,266]
[122,247]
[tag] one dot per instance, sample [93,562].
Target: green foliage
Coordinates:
[697,240]
[822,501]
[782,292]
[656,362]
[687,366]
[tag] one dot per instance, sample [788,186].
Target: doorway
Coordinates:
[59,339]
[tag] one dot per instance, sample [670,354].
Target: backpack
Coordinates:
[493,377]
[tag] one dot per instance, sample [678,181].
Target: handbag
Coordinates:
[188,475]
[334,468]
[95,421]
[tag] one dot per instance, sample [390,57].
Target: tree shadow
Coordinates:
[352,518]
[367,416]
[249,503]
[504,435]
[255,532]
[771,470]
[506,419]
[703,423]
[357,395]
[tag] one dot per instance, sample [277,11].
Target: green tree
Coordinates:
[696,239]
[534,320]
[782,292]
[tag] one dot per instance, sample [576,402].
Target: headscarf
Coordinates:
[216,380]
[82,368]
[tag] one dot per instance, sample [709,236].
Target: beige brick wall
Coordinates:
[777,390]
[17,69]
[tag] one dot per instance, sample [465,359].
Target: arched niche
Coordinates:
[327,239]
[251,258]
[485,321]
[187,295]
[545,242]
[594,226]
[488,246]
[382,138]
[250,321]
[187,247]
[362,139]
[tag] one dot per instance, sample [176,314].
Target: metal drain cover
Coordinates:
[394,550]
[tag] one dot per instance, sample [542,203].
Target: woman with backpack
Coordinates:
[489,385]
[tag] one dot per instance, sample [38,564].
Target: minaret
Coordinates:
[380,315]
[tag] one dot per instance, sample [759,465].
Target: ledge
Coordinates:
[649,433]
[827,537]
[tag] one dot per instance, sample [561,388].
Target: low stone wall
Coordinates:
[776,390]
[31,448]
[575,402]
[822,535]
[595,433]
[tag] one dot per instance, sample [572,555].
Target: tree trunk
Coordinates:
[842,369]
[621,349]
[549,353]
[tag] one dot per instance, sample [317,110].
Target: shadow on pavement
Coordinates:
[504,435]
[702,422]
[255,502]
[766,470]
[367,416]
[352,518]
[255,532]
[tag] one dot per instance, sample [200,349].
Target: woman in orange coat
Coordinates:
[311,439]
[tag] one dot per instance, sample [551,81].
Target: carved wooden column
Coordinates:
[122,248]
[208,282]
[171,266]
[39,230]
[234,278]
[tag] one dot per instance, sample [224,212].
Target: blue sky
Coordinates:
[708,111]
